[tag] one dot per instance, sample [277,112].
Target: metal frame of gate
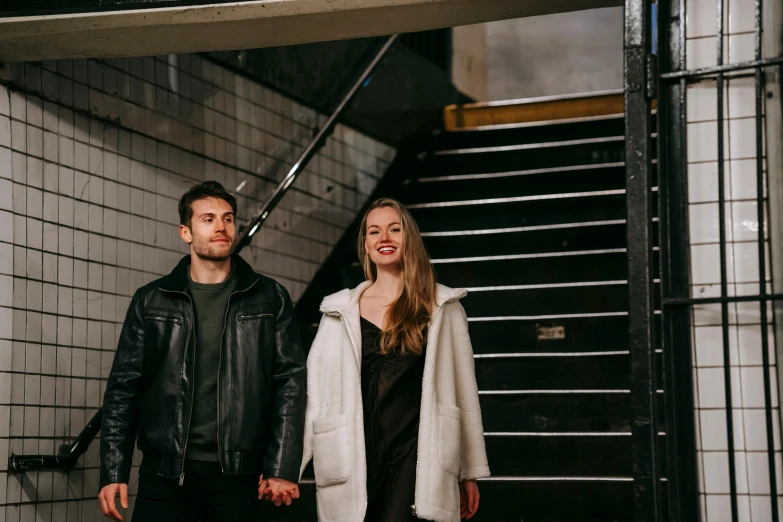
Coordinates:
[667,489]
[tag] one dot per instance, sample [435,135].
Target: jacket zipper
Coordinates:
[164,318]
[192,388]
[220,367]
[253,316]
[193,376]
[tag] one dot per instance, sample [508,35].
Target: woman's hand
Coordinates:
[263,485]
[468,499]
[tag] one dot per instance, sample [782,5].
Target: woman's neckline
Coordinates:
[370,322]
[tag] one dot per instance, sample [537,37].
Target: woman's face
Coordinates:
[383,237]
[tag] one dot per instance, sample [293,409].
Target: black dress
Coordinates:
[391,397]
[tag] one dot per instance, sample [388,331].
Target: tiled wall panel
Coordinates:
[94,156]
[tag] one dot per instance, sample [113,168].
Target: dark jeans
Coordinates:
[206,495]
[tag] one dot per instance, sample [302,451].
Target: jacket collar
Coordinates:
[177,280]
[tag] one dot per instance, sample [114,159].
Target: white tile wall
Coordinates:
[94,156]
[741,226]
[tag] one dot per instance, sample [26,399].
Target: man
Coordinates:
[209,375]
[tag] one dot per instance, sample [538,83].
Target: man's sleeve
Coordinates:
[287,407]
[120,410]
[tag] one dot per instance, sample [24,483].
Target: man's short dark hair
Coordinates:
[208,189]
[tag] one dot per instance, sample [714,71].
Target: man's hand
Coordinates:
[107,496]
[468,499]
[279,491]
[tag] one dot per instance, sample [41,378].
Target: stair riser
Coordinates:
[529,185]
[520,213]
[558,412]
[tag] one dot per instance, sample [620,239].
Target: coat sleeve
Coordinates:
[120,410]
[288,395]
[473,462]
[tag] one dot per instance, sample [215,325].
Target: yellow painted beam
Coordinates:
[533,109]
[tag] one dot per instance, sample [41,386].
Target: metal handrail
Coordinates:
[69,453]
[262,213]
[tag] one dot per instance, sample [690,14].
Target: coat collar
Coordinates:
[177,280]
[345,303]
[344,300]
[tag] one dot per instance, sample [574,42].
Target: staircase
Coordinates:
[530,218]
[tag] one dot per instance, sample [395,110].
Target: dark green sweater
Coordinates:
[209,308]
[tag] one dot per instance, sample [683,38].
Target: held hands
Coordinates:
[468,499]
[278,491]
[107,499]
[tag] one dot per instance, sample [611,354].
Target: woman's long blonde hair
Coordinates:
[408,317]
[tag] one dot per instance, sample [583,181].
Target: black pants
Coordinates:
[206,495]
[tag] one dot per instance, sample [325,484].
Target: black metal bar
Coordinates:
[66,458]
[688,301]
[724,307]
[676,337]
[711,71]
[760,205]
[638,153]
[258,218]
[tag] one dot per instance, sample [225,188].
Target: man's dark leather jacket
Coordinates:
[261,381]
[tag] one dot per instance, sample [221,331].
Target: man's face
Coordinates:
[212,231]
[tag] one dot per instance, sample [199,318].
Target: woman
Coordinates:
[393,422]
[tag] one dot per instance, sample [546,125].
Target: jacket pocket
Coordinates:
[330,450]
[450,435]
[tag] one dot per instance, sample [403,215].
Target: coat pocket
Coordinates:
[330,450]
[450,435]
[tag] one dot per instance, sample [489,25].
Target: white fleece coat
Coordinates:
[451,435]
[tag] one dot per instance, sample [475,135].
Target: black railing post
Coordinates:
[681,462]
[638,154]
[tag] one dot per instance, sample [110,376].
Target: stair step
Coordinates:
[532,132]
[587,371]
[554,373]
[481,160]
[574,335]
[556,412]
[556,501]
[597,206]
[582,178]
[527,240]
[529,269]
[602,456]
[546,301]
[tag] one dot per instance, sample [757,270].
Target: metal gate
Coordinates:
[670,448]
